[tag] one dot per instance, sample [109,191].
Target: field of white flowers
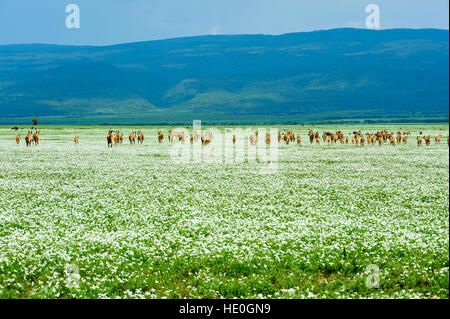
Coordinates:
[85,221]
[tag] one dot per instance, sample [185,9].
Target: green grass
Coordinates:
[139,225]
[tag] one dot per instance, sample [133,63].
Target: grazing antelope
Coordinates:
[427,140]
[76,139]
[362,140]
[110,138]
[419,141]
[140,137]
[132,138]
[17,139]
[160,137]
[286,139]
[437,139]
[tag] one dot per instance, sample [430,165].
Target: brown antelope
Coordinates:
[279,137]
[346,140]
[317,139]
[286,139]
[427,140]
[234,139]
[17,139]
[299,140]
[311,136]
[160,137]
[206,139]
[76,139]
[253,138]
[392,140]
[362,140]
[399,137]
[36,138]
[405,140]
[170,136]
[132,138]
[110,138]
[28,139]
[419,141]
[267,138]
[380,140]
[140,137]
[437,139]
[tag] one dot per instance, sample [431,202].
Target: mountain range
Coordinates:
[339,74]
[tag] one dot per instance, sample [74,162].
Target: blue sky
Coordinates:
[117,21]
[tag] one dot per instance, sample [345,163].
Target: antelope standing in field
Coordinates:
[160,137]
[132,138]
[437,139]
[140,137]
[299,140]
[234,139]
[279,137]
[253,138]
[36,138]
[405,140]
[17,139]
[399,137]
[419,141]
[362,140]
[267,138]
[28,139]
[206,139]
[110,138]
[427,140]
[346,140]
[76,139]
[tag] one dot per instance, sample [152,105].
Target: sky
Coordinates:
[105,22]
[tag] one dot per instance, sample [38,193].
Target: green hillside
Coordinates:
[340,74]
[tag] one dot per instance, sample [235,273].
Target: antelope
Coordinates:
[36,138]
[437,139]
[28,139]
[427,140]
[267,138]
[253,138]
[279,137]
[392,140]
[109,138]
[346,140]
[419,141]
[140,137]
[399,137]
[405,140]
[362,140]
[206,139]
[17,139]
[76,139]
[160,137]
[299,140]
[234,139]
[132,138]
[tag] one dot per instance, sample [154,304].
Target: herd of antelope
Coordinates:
[30,139]
[356,138]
